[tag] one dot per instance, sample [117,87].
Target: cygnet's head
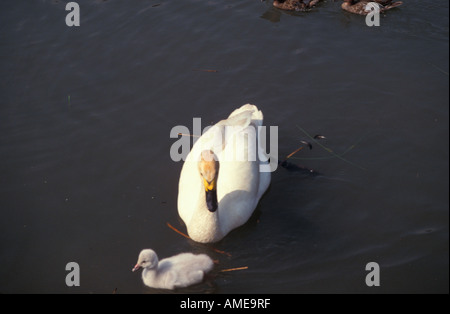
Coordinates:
[147,259]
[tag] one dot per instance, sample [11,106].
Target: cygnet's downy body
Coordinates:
[178,271]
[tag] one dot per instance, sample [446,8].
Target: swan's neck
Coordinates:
[204,226]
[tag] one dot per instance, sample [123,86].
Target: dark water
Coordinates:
[85,116]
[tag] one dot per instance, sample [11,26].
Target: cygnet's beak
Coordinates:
[136,267]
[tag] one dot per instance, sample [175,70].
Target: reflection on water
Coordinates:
[86,113]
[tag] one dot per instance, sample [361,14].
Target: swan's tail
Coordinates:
[250,111]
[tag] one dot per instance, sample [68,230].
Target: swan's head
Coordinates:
[208,166]
[147,259]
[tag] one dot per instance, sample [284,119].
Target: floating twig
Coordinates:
[192,135]
[233,269]
[178,231]
[188,237]
[294,152]
[221,252]
[206,70]
[304,143]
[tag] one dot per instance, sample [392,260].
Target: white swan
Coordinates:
[221,182]
[178,271]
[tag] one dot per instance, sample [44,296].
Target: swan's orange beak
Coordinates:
[209,186]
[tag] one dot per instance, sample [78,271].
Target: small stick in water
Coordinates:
[221,252]
[178,231]
[294,152]
[233,269]
[187,237]
[206,70]
[299,149]
[192,135]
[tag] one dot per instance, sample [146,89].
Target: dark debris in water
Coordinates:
[296,168]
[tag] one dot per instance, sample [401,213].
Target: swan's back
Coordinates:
[256,121]
[250,111]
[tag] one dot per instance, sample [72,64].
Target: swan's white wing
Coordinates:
[189,190]
[261,156]
[240,184]
[238,181]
